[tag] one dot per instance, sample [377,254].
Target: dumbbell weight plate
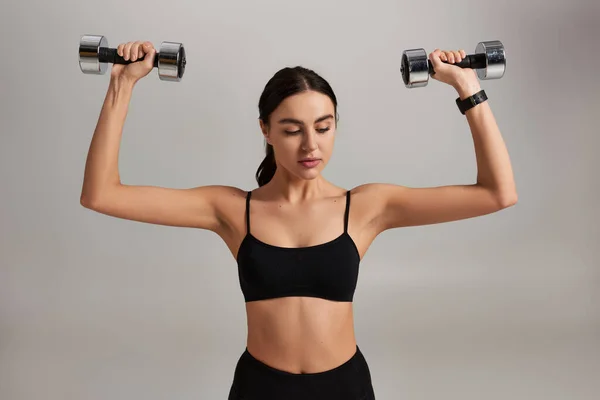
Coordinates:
[415,68]
[170,60]
[89,57]
[495,57]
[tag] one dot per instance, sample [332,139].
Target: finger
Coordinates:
[148,46]
[444,57]
[437,54]
[135,49]
[457,56]
[127,51]
[434,57]
[463,54]
[150,57]
[120,49]
[450,56]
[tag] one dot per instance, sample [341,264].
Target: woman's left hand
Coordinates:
[454,76]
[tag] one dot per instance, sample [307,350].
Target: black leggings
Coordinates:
[255,380]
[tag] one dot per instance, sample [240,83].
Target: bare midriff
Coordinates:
[301,334]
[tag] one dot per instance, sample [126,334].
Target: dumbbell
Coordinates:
[94,55]
[489,61]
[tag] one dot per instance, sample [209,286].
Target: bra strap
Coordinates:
[346,214]
[248,211]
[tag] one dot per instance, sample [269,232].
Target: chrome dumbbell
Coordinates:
[94,56]
[489,61]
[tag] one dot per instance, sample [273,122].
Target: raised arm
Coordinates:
[102,191]
[493,190]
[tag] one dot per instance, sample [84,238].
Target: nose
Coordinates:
[310,142]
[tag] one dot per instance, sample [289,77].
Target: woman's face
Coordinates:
[303,126]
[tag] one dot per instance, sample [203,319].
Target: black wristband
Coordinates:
[471,101]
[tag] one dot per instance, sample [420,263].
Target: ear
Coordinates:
[265,131]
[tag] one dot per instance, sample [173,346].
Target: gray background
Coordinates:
[498,307]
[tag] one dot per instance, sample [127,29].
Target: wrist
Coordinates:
[122,83]
[119,92]
[466,89]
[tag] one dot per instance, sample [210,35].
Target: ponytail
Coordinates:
[266,169]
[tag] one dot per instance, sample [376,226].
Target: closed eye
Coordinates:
[298,131]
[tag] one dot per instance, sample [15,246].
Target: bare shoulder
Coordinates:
[224,192]
[228,201]
[364,197]
[228,205]
[372,200]
[364,207]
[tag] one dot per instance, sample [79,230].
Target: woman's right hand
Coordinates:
[134,51]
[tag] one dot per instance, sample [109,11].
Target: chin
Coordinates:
[304,173]
[310,177]
[309,174]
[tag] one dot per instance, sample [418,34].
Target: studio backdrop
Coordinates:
[504,306]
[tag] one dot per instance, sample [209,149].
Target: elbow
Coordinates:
[506,200]
[87,201]
[96,197]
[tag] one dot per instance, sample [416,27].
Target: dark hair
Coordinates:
[286,82]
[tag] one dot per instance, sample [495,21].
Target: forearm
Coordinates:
[494,170]
[102,167]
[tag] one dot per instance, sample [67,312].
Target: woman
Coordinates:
[297,239]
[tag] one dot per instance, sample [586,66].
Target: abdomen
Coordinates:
[301,334]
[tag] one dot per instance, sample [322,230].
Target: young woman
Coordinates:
[298,239]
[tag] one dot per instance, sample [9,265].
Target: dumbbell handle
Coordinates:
[473,61]
[107,55]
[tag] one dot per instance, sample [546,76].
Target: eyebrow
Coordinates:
[296,121]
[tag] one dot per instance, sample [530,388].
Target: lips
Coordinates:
[310,163]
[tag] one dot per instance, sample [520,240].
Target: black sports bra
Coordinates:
[328,270]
